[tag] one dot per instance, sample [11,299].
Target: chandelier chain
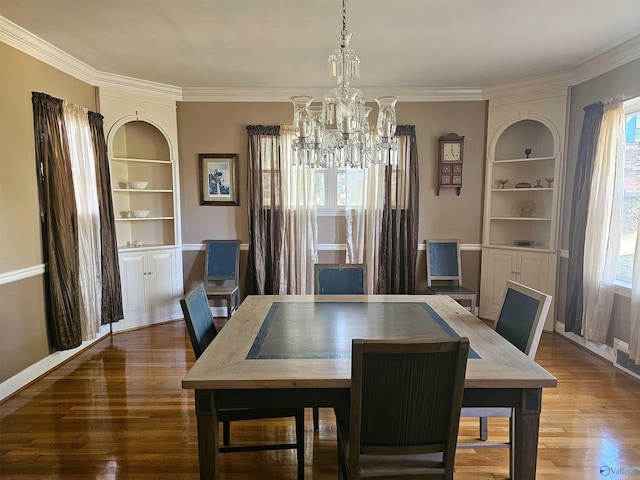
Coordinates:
[344,17]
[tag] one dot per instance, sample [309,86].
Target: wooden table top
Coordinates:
[304,341]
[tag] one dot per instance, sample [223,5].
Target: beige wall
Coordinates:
[220,128]
[23,338]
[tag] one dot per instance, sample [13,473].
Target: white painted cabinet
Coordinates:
[151,287]
[534,269]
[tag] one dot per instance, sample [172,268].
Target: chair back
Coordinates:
[198,318]
[340,279]
[222,260]
[406,397]
[522,316]
[443,261]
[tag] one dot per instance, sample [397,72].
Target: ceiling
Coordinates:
[284,43]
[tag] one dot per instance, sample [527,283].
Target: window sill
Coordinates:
[622,288]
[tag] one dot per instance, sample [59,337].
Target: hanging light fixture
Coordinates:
[337,133]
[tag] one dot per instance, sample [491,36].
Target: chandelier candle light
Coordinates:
[337,134]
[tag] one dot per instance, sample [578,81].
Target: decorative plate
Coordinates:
[527,208]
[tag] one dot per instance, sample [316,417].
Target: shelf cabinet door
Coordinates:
[161,284]
[151,287]
[498,266]
[134,291]
[533,270]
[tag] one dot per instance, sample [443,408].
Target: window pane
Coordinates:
[341,188]
[320,178]
[631,207]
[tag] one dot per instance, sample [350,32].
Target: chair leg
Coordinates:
[229,307]
[316,419]
[512,435]
[300,443]
[484,428]
[226,433]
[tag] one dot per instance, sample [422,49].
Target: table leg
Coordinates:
[526,423]
[208,433]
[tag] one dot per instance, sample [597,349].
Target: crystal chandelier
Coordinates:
[337,133]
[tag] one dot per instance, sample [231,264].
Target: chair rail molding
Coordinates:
[22,274]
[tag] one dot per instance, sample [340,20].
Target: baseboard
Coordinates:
[604,351]
[22,379]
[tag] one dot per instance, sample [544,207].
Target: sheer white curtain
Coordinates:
[300,246]
[86,196]
[602,236]
[363,218]
[634,343]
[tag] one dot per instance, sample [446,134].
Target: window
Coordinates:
[631,207]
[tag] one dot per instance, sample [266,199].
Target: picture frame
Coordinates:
[219,179]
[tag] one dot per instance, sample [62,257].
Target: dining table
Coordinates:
[295,351]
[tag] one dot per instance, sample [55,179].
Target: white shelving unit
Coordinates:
[521,216]
[142,144]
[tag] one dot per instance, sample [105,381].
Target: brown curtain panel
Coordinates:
[266,225]
[579,211]
[111,287]
[59,222]
[399,239]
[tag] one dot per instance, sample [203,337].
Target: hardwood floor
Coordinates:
[117,411]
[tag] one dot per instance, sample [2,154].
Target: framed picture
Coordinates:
[219,180]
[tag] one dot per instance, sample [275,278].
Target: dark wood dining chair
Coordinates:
[202,331]
[521,321]
[221,272]
[338,279]
[405,409]
[444,273]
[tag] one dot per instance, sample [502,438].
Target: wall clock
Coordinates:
[450,157]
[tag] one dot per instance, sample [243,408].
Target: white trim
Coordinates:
[614,58]
[564,253]
[25,41]
[545,83]
[328,247]
[604,351]
[146,87]
[283,94]
[44,366]
[22,274]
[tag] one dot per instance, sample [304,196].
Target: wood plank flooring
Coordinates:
[117,411]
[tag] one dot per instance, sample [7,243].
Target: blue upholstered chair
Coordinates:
[340,279]
[444,275]
[202,332]
[521,321]
[221,272]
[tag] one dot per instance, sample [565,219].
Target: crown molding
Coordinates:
[283,94]
[614,58]
[560,81]
[25,41]
[145,87]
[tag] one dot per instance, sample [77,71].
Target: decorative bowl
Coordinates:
[137,185]
[138,213]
